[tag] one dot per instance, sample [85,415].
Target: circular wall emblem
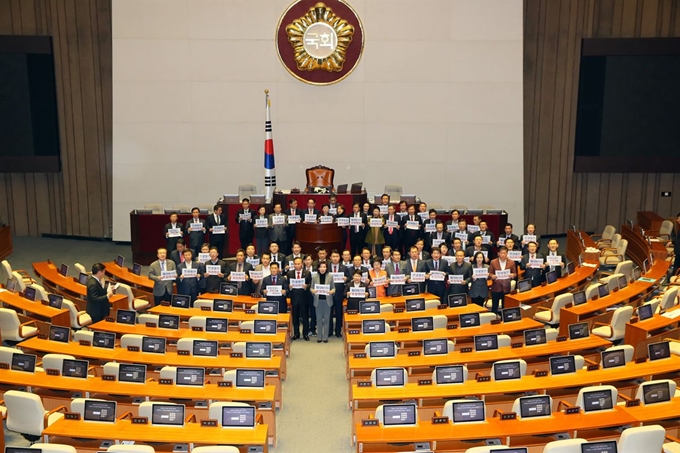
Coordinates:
[319,42]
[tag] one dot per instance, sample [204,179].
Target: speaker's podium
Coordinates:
[313,235]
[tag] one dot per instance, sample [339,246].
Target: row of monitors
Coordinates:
[265,326]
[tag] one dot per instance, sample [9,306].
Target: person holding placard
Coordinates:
[323,291]
[436,270]
[244,218]
[275,287]
[438,237]
[189,279]
[530,236]
[429,225]
[204,254]
[384,204]
[417,266]
[463,234]
[311,214]
[532,264]
[451,226]
[278,229]
[410,228]
[217,227]
[422,253]
[252,257]
[215,269]
[553,260]
[479,288]
[264,267]
[396,273]
[163,273]
[177,255]
[343,222]
[322,257]
[299,280]
[392,231]
[378,277]
[374,237]
[293,214]
[355,291]
[478,247]
[487,235]
[296,253]
[261,222]
[514,253]
[275,255]
[340,276]
[173,231]
[333,204]
[357,225]
[239,273]
[502,271]
[308,265]
[507,234]
[195,228]
[460,274]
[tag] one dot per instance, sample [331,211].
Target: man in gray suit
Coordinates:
[278,231]
[394,267]
[415,264]
[162,289]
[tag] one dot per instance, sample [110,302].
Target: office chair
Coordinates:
[11,329]
[156,208]
[564,446]
[54,448]
[616,328]
[642,389]
[120,448]
[642,438]
[40,293]
[612,281]
[55,361]
[628,351]
[487,449]
[187,344]
[131,339]
[394,191]
[27,416]
[465,376]
[215,449]
[133,304]
[246,190]
[320,176]
[79,319]
[522,366]
[517,404]
[144,318]
[439,321]
[668,299]
[612,257]
[182,208]
[200,303]
[597,388]
[198,321]
[460,207]
[605,238]
[551,316]
[80,268]
[9,272]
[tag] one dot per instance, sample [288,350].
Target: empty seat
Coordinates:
[133,304]
[522,367]
[564,446]
[216,448]
[627,349]
[131,339]
[460,207]
[54,448]
[394,191]
[246,190]
[79,319]
[465,375]
[374,373]
[182,208]
[27,415]
[612,257]
[40,293]
[551,315]
[614,393]
[9,272]
[120,448]
[55,361]
[439,321]
[156,208]
[12,329]
[612,281]
[605,238]
[616,328]
[642,439]
[81,269]
[668,299]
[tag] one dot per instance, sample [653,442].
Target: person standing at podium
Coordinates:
[356,232]
[244,218]
[217,219]
[171,242]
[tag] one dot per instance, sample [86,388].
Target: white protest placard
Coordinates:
[310,218]
[297,283]
[535,263]
[397,279]
[437,242]
[449,259]
[256,275]
[245,216]
[190,273]
[355,221]
[338,277]
[218,229]
[473,228]
[529,238]
[322,290]
[290,264]
[168,275]
[466,259]
[383,209]
[333,211]
[326,219]
[503,275]
[175,232]
[375,222]
[238,276]
[278,220]
[452,227]
[515,255]
[357,292]
[430,227]
[261,223]
[455,279]
[486,239]
[212,269]
[392,224]
[364,277]
[417,277]
[462,236]
[480,272]
[554,260]
[203,257]
[196,226]
[292,219]
[342,221]
[380,281]
[424,215]
[485,253]
[253,261]
[274,290]
[412,225]
[437,276]
[500,242]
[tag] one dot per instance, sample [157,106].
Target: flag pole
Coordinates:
[269,163]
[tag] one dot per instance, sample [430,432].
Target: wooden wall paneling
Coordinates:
[665,184]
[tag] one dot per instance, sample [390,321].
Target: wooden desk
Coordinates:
[141,284]
[282,319]
[69,288]
[576,246]
[240,302]
[191,433]
[651,330]
[404,318]
[650,222]
[43,314]
[639,249]
[6,247]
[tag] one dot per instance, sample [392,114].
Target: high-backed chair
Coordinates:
[597,388]
[564,446]
[432,303]
[485,207]
[200,303]
[6,354]
[156,208]
[206,207]
[246,190]
[671,447]
[198,321]
[55,361]
[11,329]
[591,291]
[605,238]
[448,408]
[486,318]
[551,316]
[187,344]
[120,448]
[439,321]
[80,268]
[375,372]
[627,349]
[84,335]
[182,208]
[78,404]
[8,272]
[504,341]
[624,268]
[54,448]
[642,438]
[27,415]
[460,207]
[522,366]
[386,308]
[168,372]
[614,256]
[616,328]
[668,299]
[131,339]
[133,304]
[612,281]
[320,176]
[394,191]
[111,369]
[465,376]
[20,282]
[40,293]
[79,319]
[143,318]
[367,350]
[654,303]
[666,230]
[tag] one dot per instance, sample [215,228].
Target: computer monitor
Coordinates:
[228,288]
[551,277]
[99,411]
[60,334]
[153,344]
[417,304]
[564,364]
[180,301]
[238,416]
[136,268]
[623,281]
[29,293]
[11,285]
[120,261]
[82,278]
[63,270]
[637,273]
[167,414]
[457,300]
[658,392]
[410,289]
[382,349]
[55,300]
[373,326]
[224,305]
[399,414]
[132,373]
[597,400]
[342,188]
[216,324]
[580,298]
[475,212]
[126,316]
[258,350]
[452,374]
[205,348]
[371,290]
[74,368]
[607,446]
[645,311]
[268,308]
[507,370]
[190,376]
[535,336]
[23,362]
[524,285]
[603,290]
[468,411]
[144,211]
[571,267]
[512,314]
[369,307]
[267,326]
[486,342]
[510,450]
[579,330]
[534,406]
[436,346]
[613,359]
[469,320]
[168,321]
[22,450]
[409,198]
[657,351]
[250,378]
[103,340]
[389,377]
[422,324]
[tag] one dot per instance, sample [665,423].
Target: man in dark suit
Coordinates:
[177,255]
[423,254]
[292,211]
[195,227]
[439,237]
[296,253]
[552,252]
[162,289]
[335,266]
[97,297]
[501,286]
[275,279]
[171,242]
[460,267]
[414,264]
[535,274]
[241,265]
[395,267]
[436,264]
[356,232]
[477,246]
[355,282]
[392,234]
[299,298]
[213,220]
[244,218]
[279,232]
[213,280]
[190,285]
[507,234]
[410,235]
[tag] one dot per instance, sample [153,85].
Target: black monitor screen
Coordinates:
[535,336]
[23,362]
[656,393]
[578,330]
[415,304]
[74,368]
[603,290]
[422,324]
[120,261]
[579,297]
[597,400]
[168,321]
[228,288]
[136,269]
[104,340]
[571,267]
[658,351]
[373,326]
[368,307]
[258,350]
[238,416]
[167,414]
[99,411]
[411,289]
[510,450]
[190,376]
[11,286]
[265,326]
[386,377]
[645,311]
[22,450]
[60,334]
[506,370]
[486,342]
[399,414]
[608,446]
[524,285]
[469,320]
[29,293]
[457,300]
[55,300]
[82,278]
[216,324]
[436,346]
[180,301]
[613,359]
[562,365]
[249,378]
[63,270]
[125,316]
[551,277]
[153,344]
[223,305]
[512,314]
[205,348]
[382,349]
[449,374]
[535,406]
[623,282]
[268,308]
[132,373]
[468,411]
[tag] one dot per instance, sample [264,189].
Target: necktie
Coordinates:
[162,266]
[390,229]
[217,219]
[274,279]
[436,265]
[356,228]
[181,258]
[239,268]
[396,268]
[335,268]
[298,274]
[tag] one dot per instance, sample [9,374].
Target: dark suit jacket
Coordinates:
[280,280]
[389,268]
[433,286]
[98,306]
[212,282]
[339,287]
[420,267]
[246,228]
[362,229]
[175,256]
[278,233]
[558,269]
[503,286]
[190,286]
[299,295]
[409,237]
[171,243]
[196,238]
[353,302]
[210,222]
[535,275]
[466,271]
[246,288]
[429,237]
